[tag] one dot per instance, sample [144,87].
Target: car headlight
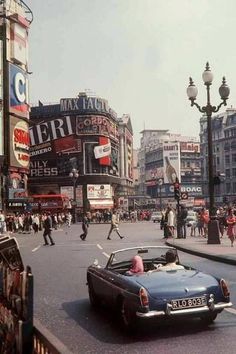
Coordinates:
[224,288]
[143,295]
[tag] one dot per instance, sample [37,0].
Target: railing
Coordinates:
[44,342]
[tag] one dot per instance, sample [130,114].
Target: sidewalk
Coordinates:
[198,246]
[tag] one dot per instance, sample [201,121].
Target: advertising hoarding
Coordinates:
[18,91]
[19,43]
[19,143]
[190,147]
[99,191]
[83,104]
[69,192]
[171,159]
[1,100]
[96,125]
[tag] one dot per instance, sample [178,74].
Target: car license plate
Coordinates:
[188,303]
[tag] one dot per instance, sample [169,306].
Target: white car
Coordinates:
[191,218]
[156,216]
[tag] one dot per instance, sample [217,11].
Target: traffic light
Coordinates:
[177,190]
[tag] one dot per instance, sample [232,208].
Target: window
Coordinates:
[233,158]
[228,188]
[227,147]
[234,172]
[226,134]
[227,172]
[234,187]
[227,159]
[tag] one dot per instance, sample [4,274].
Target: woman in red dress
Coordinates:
[231,220]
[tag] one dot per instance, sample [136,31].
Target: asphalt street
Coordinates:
[62,305]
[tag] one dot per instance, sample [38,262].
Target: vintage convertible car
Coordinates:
[155,294]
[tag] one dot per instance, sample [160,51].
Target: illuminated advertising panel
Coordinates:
[1,101]
[18,91]
[99,191]
[84,104]
[96,125]
[19,44]
[190,147]
[171,159]
[19,143]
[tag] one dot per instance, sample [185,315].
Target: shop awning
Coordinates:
[101,203]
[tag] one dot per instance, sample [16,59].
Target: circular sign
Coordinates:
[21,143]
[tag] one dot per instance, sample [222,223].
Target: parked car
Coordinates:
[156,216]
[159,294]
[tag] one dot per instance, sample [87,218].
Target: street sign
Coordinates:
[184,195]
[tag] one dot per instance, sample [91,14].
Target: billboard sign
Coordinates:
[19,44]
[190,147]
[85,104]
[1,100]
[18,91]
[171,159]
[19,143]
[96,125]
[99,191]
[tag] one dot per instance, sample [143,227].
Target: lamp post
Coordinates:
[207,76]
[74,174]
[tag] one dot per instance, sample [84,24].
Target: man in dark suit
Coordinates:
[47,225]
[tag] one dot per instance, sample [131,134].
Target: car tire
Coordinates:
[128,317]
[93,298]
[209,318]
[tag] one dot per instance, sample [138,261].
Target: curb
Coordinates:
[213,257]
[52,343]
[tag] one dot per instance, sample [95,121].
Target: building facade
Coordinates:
[80,133]
[165,157]
[15,20]
[224,155]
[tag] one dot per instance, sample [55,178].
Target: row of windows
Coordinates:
[228,172]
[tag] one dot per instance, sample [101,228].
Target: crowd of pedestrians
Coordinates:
[31,222]
[176,224]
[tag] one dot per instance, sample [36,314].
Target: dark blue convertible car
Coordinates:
[155,294]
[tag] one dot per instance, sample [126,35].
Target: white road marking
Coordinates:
[36,248]
[105,254]
[99,246]
[233,311]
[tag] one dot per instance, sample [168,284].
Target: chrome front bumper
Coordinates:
[169,312]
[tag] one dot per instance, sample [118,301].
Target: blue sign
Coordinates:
[18,91]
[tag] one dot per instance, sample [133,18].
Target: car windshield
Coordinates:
[147,253]
[156,213]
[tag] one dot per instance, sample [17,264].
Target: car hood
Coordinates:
[177,283]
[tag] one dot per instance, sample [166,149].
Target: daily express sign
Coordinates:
[18,91]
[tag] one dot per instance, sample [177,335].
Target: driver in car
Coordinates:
[170,262]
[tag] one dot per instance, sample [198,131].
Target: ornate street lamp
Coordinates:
[207,76]
[74,174]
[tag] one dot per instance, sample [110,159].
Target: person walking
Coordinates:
[231,220]
[35,223]
[85,225]
[114,226]
[47,225]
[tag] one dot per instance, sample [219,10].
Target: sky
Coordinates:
[137,54]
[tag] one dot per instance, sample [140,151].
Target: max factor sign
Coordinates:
[86,104]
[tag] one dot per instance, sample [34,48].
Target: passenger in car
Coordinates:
[170,262]
[137,266]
